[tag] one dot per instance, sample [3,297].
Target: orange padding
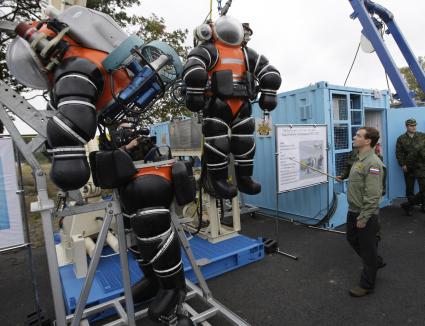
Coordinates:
[238,69]
[235,104]
[121,78]
[162,171]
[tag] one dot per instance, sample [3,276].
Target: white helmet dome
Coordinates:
[25,66]
[228,30]
[203,32]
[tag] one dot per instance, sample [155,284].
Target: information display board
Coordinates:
[302,151]
[11,228]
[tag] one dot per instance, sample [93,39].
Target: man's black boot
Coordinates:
[407,208]
[381,263]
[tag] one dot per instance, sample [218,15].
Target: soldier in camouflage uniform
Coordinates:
[365,187]
[417,157]
[406,151]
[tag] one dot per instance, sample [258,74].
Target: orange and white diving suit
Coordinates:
[221,76]
[67,56]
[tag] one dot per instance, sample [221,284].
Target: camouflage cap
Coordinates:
[411,122]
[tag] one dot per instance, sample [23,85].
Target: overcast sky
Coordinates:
[307,40]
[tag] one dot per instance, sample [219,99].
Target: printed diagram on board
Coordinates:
[311,156]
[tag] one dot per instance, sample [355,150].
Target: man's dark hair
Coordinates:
[372,134]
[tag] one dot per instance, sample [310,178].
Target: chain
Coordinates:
[219,6]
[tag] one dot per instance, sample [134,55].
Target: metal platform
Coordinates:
[213,259]
[218,258]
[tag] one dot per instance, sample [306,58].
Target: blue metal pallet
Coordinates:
[216,259]
[223,256]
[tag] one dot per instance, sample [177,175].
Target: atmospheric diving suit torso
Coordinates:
[220,77]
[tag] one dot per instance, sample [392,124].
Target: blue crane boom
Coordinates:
[364,10]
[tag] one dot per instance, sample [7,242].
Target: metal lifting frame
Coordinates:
[216,231]
[363,9]
[12,102]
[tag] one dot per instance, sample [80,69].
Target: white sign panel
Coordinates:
[301,153]
[11,229]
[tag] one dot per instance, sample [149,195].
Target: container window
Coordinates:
[341,161]
[341,136]
[356,117]
[340,108]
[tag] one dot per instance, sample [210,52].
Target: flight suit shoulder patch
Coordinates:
[359,166]
[374,170]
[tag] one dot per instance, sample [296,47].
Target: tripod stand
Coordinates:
[271,245]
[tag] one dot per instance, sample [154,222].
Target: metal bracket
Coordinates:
[40,206]
[19,106]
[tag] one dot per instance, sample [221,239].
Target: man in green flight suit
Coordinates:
[365,185]
[352,157]
[406,150]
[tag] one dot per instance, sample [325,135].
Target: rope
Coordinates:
[352,64]
[388,84]
[358,47]
[211,9]
[390,94]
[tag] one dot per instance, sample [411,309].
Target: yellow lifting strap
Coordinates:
[211,9]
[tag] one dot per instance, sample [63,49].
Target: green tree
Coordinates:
[149,28]
[411,80]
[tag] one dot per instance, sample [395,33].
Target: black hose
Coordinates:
[199,210]
[221,209]
[334,205]
[331,211]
